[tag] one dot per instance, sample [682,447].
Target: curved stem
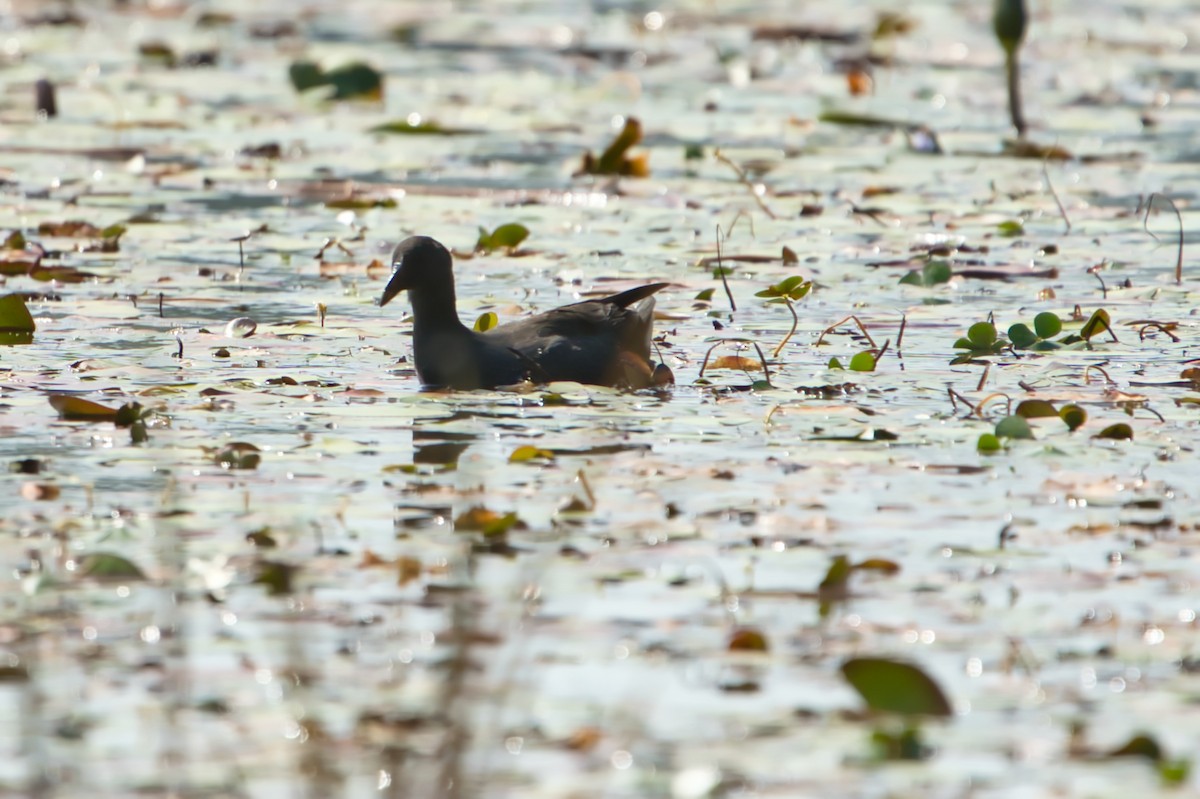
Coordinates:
[792,332]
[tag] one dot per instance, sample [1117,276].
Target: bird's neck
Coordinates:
[434,311]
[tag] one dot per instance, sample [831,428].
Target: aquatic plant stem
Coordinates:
[792,332]
[1013,70]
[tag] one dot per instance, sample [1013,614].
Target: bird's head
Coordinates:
[418,262]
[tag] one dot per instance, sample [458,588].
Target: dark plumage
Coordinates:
[605,341]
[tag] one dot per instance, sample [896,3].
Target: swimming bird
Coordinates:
[603,341]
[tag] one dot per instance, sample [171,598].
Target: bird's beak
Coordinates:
[398,283]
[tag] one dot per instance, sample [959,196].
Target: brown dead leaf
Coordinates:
[738,362]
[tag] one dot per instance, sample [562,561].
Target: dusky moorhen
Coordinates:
[605,341]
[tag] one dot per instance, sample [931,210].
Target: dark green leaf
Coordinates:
[1119,432]
[106,566]
[1073,416]
[15,316]
[306,75]
[1139,746]
[403,127]
[905,745]
[355,81]
[1035,409]
[612,160]
[1047,325]
[1014,427]
[1021,336]
[982,334]
[892,686]
[932,274]
[128,413]
[276,576]
[238,455]
[837,576]
[1098,323]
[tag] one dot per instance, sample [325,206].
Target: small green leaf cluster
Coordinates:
[983,339]
[350,82]
[1017,425]
[1046,325]
[787,290]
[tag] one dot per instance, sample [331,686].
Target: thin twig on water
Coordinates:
[1179,219]
[745,181]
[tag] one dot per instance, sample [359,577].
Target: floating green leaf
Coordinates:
[238,455]
[981,339]
[892,686]
[506,237]
[486,321]
[932,274]
[988,443]
[1073,416]
[863,362]
[354,81]
[982,334]
[404,127]
[16,323]
[1022,336]
[1047,324]
[1118,432]
[107,566]
[306,75]
[276,576]
[360,203]
[1035,409]
[1139,746]
[1014,427]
